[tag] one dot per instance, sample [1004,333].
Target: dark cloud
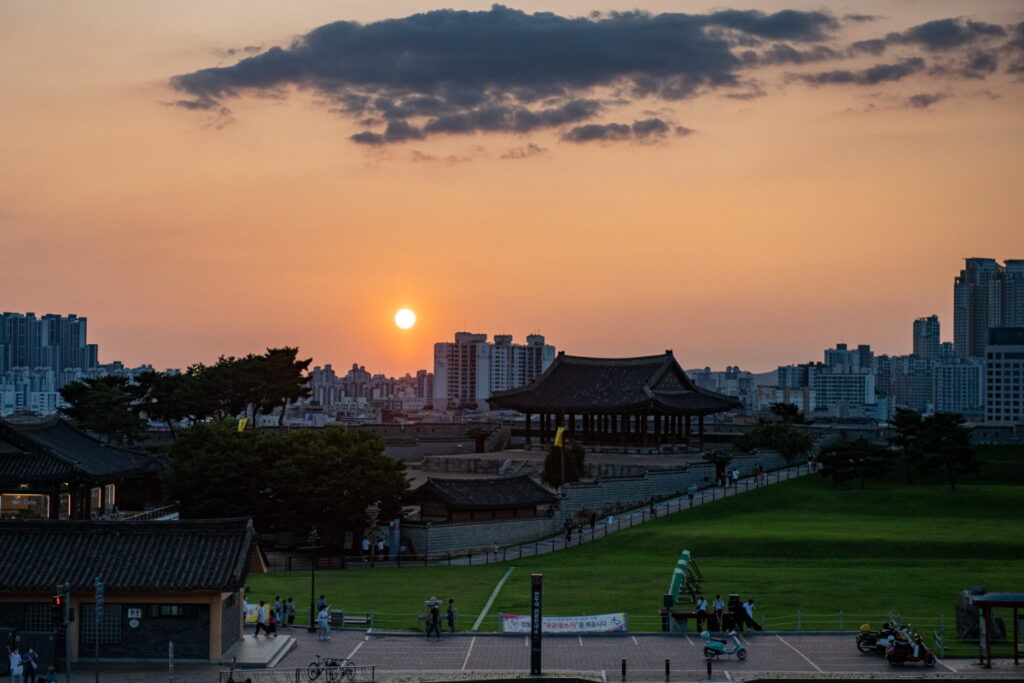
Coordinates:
[925,100]
[647,130]
[449,71]
[419,156]
[870,76]
[861,18]
[530,150]
[781,53]
[874,46]
[946,34]
[979,63]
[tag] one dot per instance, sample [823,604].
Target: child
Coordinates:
[51,675]
[272,624]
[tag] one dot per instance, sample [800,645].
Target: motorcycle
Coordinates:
[911,649]
[877,642]
[719,646]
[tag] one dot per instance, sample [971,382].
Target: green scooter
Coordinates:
[718,646]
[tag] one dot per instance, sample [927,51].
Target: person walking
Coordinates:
[692,489]
[593,523]
[719,606]
[323,623]
[366,548]
[17,671]
[289,608]
[28,664]
[321,603]
[736,478]
[261,619]
[277,608]
[748,607]
[433,619]
[451,614]
[702,612]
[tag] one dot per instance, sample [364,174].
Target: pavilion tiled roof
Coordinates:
[478,494]
[127,556]
[581,385]
[50,450]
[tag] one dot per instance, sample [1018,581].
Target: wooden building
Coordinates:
[646,401]
[177,581]
[463,500]
[51,470]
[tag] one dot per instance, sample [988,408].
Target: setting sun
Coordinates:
[405,318]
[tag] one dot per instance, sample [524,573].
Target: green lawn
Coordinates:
[803,546]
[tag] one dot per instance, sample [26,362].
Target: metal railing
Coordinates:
[308,674]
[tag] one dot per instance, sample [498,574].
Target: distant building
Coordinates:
[959,387]
[52,341]
[846,360]
[469,370]
[1004,376]
[843,394]
[927,342]
[986,295]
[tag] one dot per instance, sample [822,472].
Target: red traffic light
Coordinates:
[58,601]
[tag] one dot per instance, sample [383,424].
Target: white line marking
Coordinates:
[353,653]
[801,654]
[634,641]
[688,638]
[468,652]
[945,665]
[580,638]
[490,600]
[727,676]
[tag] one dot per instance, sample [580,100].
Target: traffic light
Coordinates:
[57,610]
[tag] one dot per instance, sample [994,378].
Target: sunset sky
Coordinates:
[746,184]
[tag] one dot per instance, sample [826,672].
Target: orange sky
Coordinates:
[782,225]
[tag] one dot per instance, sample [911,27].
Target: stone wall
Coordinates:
[577,500]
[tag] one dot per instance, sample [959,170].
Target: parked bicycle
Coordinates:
[334,669]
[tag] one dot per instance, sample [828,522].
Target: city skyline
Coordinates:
[792,200]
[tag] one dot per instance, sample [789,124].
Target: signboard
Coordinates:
[535,622]
[134,612]
[99,599]
[598,623]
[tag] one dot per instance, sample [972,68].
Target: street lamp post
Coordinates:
[314,536]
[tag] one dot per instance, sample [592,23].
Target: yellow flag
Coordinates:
[560,437]
[242,423]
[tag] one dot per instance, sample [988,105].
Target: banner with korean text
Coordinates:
[598,623]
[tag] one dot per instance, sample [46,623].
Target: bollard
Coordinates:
[709,668]
[668,669]
[623,669]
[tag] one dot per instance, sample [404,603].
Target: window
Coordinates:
[38,617]
[109,628]
[174,611]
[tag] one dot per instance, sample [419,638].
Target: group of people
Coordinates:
[569,527]
[434,616]
[323,619]
[742,614]
[268,618]
[24,666]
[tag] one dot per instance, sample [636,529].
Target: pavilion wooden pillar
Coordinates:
[53,508]
[687,431]
[657,429]
[529,431]
[572,426]
[700,429]
[643,428]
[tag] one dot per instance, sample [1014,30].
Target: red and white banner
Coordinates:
[598,623]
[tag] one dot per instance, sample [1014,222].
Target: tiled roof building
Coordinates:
[456,500]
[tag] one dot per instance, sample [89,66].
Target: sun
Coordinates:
[405,318]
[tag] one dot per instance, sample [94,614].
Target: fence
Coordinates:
[314,672]
[603,527]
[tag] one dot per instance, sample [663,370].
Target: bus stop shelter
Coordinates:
[986,602]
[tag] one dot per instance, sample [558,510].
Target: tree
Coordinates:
[163,397]
[783,437]
[287,480]
[104,405]
[908,428]
[944,442]
[787,412]
[284,380]
[844,460]
[571,460]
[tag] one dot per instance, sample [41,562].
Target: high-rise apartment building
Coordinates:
[959,386]
[986,295]
[927,342]
[844,359]
[467,371]
[1004,376]
[52,341]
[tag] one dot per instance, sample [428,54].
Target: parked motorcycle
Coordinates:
[877,642]
[910,649]
[719,646]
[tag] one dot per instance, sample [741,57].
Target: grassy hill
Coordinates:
[805,546]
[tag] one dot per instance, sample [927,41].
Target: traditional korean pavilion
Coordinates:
[49,469]
[646,401]
[461,500]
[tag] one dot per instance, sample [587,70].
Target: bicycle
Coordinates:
[334,669]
